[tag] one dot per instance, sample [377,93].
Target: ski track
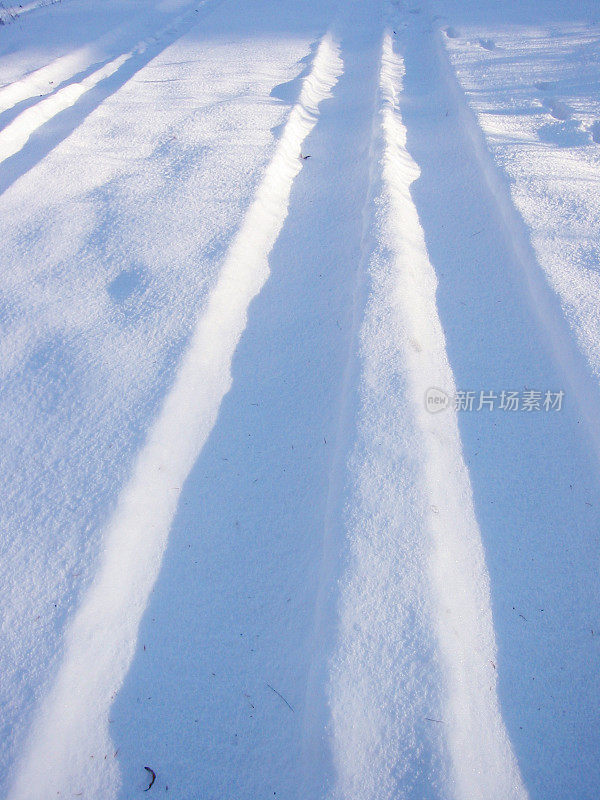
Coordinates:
[73,721]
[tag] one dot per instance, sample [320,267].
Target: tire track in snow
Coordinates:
[72,724]
[49,78]
[11,14]
[545,303]
[18,132]
[41,81]
[74,66]
[525,474]
[413,684]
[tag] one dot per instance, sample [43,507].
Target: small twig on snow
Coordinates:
[280,695]
[152,778]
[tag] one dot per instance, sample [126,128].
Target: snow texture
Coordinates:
[242,244]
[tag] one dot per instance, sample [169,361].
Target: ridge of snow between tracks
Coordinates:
[411,500]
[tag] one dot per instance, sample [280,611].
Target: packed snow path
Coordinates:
[242,244]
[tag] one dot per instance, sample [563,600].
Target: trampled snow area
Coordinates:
[299,420]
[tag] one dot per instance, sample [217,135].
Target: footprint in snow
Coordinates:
[126,284]
[557,109]
[568,133]
[451,33]
[595,131]
[543,86]
[487,44]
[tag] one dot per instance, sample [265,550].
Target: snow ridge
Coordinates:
[416,660]
[70,737]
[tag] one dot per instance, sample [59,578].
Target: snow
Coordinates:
[99,642]
[11,13]
[415,605]
[241,242]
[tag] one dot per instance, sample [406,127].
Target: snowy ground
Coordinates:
[238,548]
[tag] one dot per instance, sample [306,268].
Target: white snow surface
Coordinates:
[241,244]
